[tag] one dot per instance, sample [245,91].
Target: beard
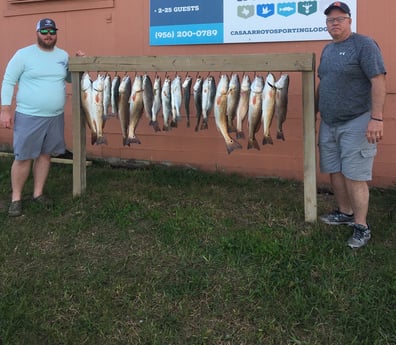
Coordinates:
[47,43]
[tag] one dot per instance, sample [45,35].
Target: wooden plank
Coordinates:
[284,62]
[310,197]
[53,159]
[79,148]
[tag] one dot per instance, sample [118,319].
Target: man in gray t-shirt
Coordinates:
[351,97]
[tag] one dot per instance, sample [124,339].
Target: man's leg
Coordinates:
[341,193]
[358,192]
[41,168]
[19,173]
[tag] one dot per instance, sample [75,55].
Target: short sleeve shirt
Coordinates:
[345,71]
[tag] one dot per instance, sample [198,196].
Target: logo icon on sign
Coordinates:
[307,7]
[245,11]
[266,10]
[286,8]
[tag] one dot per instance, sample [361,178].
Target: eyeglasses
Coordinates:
[336,19]
[52,32]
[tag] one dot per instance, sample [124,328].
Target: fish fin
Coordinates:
[267,140]
[233,145]
[240,135]
[279,135]
[253,144]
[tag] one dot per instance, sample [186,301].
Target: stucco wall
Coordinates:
[120,27]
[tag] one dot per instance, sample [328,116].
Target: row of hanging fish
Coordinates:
[258,101]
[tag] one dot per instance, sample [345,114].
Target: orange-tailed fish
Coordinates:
[268,107]
[281,100]
[220,113]
[243,105]
[255,111]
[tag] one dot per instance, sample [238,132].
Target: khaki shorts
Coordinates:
[344,148]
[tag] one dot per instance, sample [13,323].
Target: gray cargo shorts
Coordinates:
[34,135]
[344,148]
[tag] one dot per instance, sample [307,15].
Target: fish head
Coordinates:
[282,82]
[257,84]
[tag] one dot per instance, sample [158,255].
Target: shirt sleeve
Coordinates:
[12,74]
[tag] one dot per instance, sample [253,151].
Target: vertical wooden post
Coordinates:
[79,149]
[310,197]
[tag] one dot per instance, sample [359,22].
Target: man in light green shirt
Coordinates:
[40,71]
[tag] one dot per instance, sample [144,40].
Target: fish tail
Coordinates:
[155,126]
[94,138]
[101,140]
[267,140]
[279,135]
[240,135]
[231,128]
[125,141]
[134,140]
[253,144]
[233,145]
[204,124]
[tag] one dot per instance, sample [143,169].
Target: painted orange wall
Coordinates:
[120,28]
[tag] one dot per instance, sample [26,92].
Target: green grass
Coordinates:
[176,256]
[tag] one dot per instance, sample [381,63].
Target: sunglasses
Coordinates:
[52,32]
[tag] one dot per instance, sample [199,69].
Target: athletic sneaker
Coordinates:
[361,235]
[337,218]
[15,209]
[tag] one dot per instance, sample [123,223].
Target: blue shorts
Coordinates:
[34,135]
[344,148]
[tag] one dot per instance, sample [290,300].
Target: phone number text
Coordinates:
[185,34]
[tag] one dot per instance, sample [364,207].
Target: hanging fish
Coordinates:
[176,100]
[186,86]
[87,105]
[106,96]
[97,108]
[148,96]
[166,103]
[243,105]
[268,107]
[123,106]
[136,109]
[220,113]
[208,95]
[255,111]
[281,100]
[115,94]
[197,92]
[156,103]
[233,96]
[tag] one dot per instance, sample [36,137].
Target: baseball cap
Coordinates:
[340,5]
[46,23]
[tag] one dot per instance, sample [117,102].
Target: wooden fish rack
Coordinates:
[275,62]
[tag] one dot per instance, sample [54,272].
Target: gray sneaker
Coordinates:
[361,235]
[15,209]
[337,218]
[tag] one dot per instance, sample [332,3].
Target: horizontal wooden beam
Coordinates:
[283,62]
